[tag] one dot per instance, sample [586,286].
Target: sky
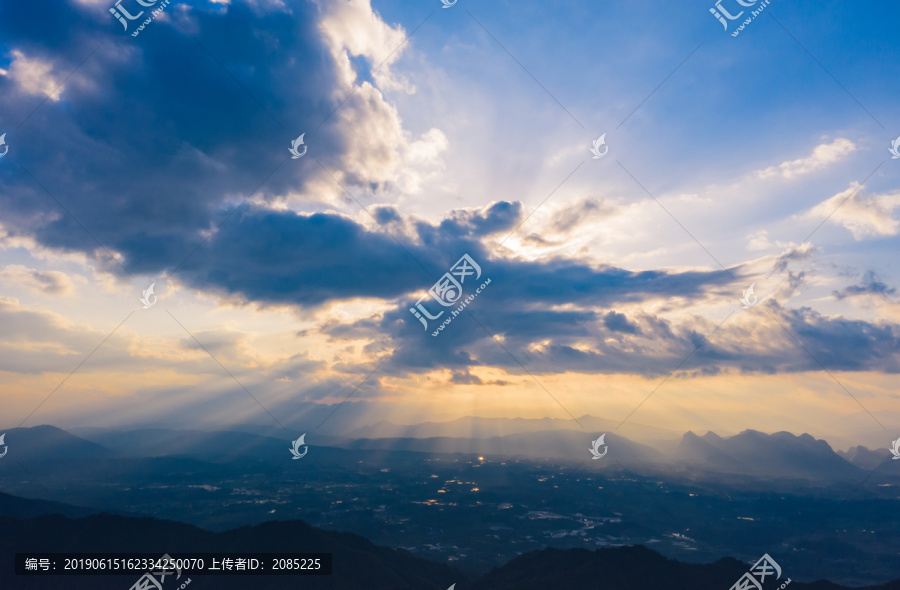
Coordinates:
[432,133]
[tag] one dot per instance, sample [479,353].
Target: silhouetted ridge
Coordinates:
[627,568]
[357,562]
[751,452]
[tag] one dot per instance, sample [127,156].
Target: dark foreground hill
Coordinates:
[16,507]
[357,563]
[628,568]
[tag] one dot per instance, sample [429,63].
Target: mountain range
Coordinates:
[735,495]
[781,454]
[749,453]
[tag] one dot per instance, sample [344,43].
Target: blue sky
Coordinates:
[169,150]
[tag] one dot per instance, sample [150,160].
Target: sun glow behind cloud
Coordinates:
[602,285]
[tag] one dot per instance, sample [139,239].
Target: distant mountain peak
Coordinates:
[751,452]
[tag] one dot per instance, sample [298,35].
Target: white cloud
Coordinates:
[352,28]
[423,159]
[380,159]
[50,282]
[822,155]
[759,241]
[580,227]
[864,216]
[380,154]
[33,75]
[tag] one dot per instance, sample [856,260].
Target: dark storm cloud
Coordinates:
[152,141]
[465,378]
[548,342]
[556,305]
[618,322]
[870,285]
[278,257]
[844,344]
[496,217]
[153,145]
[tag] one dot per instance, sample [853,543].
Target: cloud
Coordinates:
[36,341]
[353,28]
[478,221]
[822,155]
[759,241]
[803,252]
[465,378]
[278,257]
[618,322]
[159,152]
[588,210]
[843,344]
[39,343]
[558,229]
[872,293]
[50,282]
[281,257]
[870,285]
[170,142]
[553,342]
[864,215]
[33,76]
